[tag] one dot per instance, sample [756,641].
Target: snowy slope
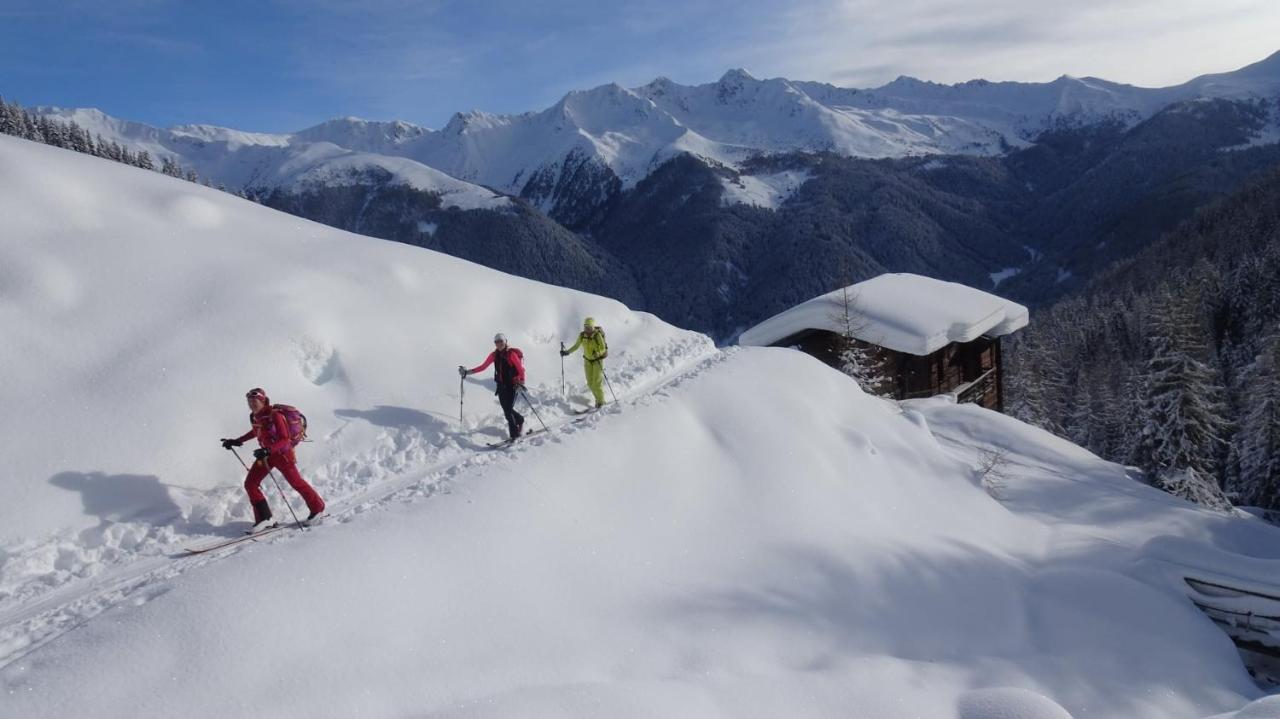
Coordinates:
[721,576]
[324,164]
[138,310]
[745,535]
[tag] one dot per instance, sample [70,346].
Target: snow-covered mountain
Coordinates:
[632,131]
[339,152]
[796,548]
[595,142]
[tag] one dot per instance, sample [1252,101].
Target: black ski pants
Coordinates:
[507,398]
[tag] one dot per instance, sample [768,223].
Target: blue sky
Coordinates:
[280,65]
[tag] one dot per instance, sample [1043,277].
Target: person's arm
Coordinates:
[487,361]
[575,346]
[247,435]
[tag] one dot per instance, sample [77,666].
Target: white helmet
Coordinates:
[499,337]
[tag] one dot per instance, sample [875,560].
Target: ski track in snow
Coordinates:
[405,466]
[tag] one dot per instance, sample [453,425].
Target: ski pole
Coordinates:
[562,371]
[278,489]
[462,392]
[525,393]
[608,383]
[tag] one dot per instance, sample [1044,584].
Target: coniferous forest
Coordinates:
[1171,360]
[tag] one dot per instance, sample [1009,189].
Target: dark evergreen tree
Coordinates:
[11,122]
[1037,385]
[1256,450]
[1181,411]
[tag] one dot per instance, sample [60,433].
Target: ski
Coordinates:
[509,442]
[235,540]
[581,412]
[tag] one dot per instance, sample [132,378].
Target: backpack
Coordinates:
[296,420]
[604,343]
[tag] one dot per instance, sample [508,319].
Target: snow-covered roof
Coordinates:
[903,312]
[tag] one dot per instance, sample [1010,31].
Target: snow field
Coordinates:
[734,572]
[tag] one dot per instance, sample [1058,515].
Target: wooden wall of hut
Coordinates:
[975,367]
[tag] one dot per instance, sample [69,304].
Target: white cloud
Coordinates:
[1143,42]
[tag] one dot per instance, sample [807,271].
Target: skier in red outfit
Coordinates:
[508,372]
[275,451]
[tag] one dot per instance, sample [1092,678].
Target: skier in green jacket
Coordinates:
[594,350]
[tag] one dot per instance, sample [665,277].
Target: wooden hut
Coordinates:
[932,337]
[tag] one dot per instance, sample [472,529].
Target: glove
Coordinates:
[606,354]
[229,443]
[519,388]
[564,353]
[462,371]
[261,453]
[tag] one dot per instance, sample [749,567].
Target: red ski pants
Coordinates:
[285,463]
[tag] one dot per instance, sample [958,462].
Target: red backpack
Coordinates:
[296,420]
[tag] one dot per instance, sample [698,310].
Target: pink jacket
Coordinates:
[271,429]
[509,367]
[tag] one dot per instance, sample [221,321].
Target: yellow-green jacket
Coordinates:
[594,347]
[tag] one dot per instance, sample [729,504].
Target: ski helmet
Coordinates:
[499,337]
[589,323]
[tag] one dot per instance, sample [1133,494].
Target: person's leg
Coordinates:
[507,398]
[595,381]
[253,487]
[289,468]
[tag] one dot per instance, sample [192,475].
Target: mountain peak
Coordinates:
[737,75]
[473,119]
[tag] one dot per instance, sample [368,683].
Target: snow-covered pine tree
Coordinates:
[1037,384]
[32,130]
[79,139]
[862,361]
[1122,415]
[1085,418]
[1256,449]
[10,119]
[1181,410]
